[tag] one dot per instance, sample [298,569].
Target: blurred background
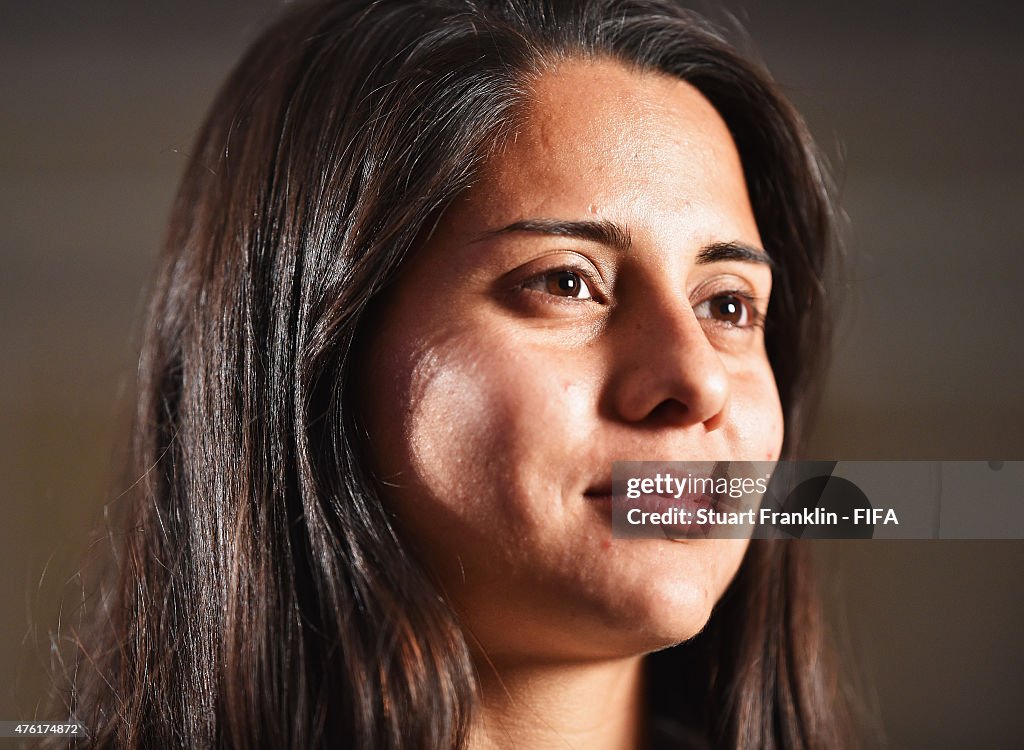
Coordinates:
[921,114]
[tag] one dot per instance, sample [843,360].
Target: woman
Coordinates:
[433,267]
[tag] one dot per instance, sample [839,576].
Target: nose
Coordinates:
[666,371]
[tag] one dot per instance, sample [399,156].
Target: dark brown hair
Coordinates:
[263,597]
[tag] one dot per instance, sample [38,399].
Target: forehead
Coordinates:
[598,137]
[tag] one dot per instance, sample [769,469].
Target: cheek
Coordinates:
[482,429]
[450,425]
[756,415]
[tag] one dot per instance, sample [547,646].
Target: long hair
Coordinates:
[263,597]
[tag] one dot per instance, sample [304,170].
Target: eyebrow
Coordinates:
[617,236]
[605,232]
[718,251]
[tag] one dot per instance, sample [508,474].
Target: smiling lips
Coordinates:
[655,502]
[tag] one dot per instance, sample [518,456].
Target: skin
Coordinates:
[510,368]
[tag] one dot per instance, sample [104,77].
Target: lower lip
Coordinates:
[660,504]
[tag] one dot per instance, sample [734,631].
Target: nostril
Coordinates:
[674,413]
[669,412]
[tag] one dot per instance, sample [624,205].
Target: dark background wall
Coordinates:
[922,114]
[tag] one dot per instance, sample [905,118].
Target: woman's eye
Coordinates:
[732,308]
[561,284]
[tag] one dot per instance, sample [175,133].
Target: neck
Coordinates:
[596,705]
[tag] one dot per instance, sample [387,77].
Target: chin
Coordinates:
[669,604]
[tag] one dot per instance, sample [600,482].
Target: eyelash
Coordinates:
[755,318]
[585,277]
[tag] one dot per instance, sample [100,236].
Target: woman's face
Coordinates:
[595,296]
